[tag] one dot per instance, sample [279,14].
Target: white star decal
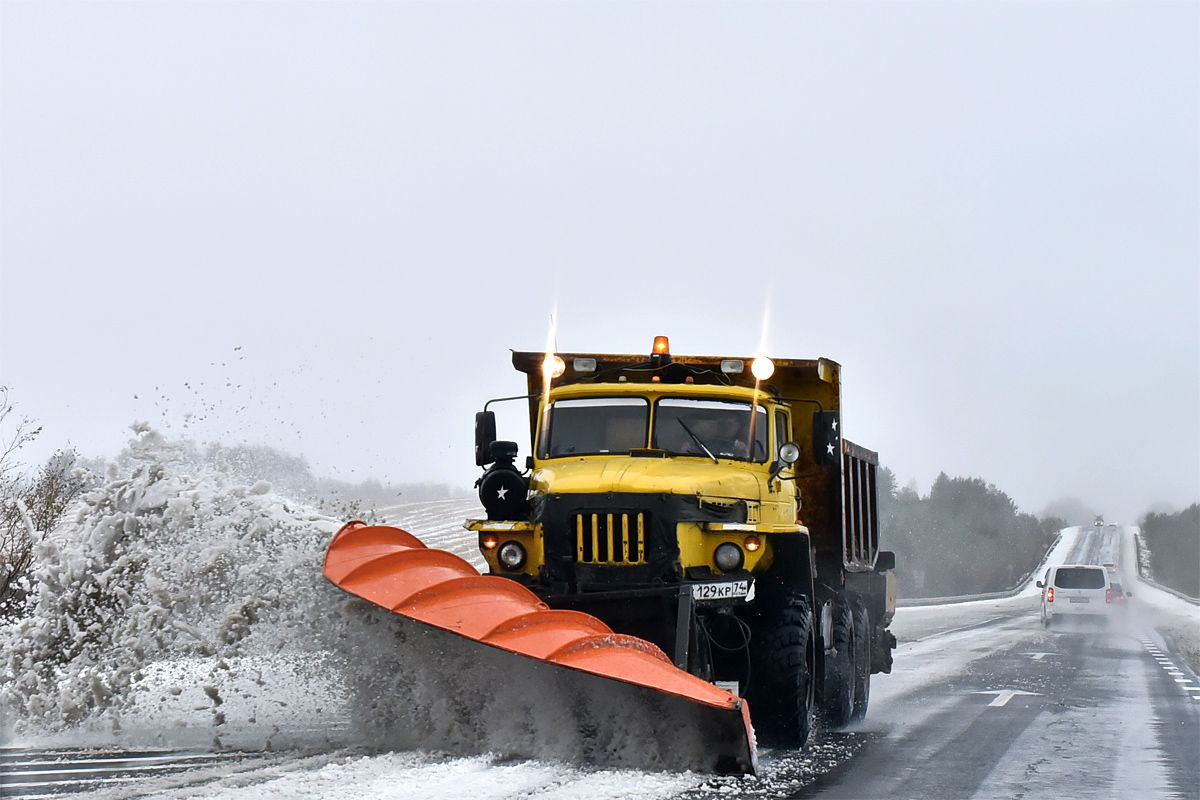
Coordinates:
[829,449]
[503,490]
[835,424]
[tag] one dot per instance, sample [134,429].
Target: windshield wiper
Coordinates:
[697,440]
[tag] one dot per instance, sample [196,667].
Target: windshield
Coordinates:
[593,426]
[711,428]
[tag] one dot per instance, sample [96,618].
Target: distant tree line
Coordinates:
[1174,544]
[964,537]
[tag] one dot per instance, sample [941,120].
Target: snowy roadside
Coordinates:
[1174,616]
[183,607]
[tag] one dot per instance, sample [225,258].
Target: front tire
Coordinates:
[781,692]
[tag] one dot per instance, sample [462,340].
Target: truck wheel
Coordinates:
[862,660]
[781,691]
[838,705]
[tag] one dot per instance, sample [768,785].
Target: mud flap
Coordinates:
[622,684]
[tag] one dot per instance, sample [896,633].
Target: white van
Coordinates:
[1075,590]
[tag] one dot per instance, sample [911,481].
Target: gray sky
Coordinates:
[989,213]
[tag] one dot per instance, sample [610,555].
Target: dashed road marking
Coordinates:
[1004,695]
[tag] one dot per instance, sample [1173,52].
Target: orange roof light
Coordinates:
[661,345]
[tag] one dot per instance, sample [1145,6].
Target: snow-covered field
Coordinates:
[182,606]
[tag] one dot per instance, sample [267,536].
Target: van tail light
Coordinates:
[1108,595]
[1050,594]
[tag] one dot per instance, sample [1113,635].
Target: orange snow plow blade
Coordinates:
[393,569]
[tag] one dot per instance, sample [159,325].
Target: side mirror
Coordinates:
[1129,594]
[1039,584]
[485,434]
[885,561]
[789,453]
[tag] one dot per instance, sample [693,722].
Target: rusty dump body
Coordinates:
[392,569]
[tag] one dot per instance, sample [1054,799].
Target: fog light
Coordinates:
[512,555]
[728,557]
[753,543]
[488,541]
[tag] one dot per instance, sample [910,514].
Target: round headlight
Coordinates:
[728,557]
[512,555]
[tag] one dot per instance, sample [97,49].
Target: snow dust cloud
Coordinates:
[181,604]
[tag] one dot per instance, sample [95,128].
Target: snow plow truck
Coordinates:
[694,527]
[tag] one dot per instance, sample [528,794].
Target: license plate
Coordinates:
[1080,600]
[724,590]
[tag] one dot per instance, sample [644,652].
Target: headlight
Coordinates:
[512,555]
[728,557]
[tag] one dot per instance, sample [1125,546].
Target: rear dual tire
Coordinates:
[848,667]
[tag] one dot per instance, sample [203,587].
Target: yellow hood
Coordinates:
[650,476]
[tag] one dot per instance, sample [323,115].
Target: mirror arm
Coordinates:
[502,399]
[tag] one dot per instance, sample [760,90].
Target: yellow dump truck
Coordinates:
[709,505]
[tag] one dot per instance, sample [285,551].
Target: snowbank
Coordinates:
[170,561]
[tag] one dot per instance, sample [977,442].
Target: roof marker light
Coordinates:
[584,365]
[733,366]
[553,366]
[762,368]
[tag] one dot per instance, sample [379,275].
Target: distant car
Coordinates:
[1111,569]
[1119,595]
[1075,590]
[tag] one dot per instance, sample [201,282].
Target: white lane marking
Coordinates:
[165,760]
[1004,695]
[1038,656]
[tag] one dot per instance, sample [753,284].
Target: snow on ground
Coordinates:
[181,606]
[1176,617]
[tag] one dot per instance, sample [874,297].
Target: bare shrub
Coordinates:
[29,505]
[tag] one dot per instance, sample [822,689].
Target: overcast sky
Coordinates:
[322,226]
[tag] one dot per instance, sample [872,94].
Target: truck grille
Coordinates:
[610,537]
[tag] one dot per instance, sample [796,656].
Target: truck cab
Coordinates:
[649,484]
